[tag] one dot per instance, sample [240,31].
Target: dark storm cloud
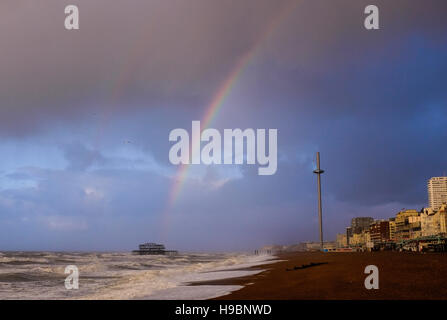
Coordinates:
[175,52]
[373,103]
[160,51]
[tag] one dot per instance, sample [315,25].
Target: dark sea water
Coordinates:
[41,275]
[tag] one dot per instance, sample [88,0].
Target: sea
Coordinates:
[122,275]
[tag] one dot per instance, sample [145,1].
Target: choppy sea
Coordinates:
[41,275]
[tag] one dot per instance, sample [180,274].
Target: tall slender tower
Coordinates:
[320,218]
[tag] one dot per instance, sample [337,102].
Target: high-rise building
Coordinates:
[361,223]
[437,192]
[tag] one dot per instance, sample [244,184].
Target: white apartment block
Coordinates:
[437,192]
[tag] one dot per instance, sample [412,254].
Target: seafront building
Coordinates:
[405,224]
[437,192]
[434,222]
[360,239]
[392,225]
[423,230]
[341,240]
[298,247]
[348,235]
[360,224]
[316,246]
[357,235]
[409,229]
[380,231]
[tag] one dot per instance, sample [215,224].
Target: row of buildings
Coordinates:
[414,230]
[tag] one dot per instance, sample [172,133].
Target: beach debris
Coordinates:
[305,266]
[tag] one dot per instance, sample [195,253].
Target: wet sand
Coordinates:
[401,276]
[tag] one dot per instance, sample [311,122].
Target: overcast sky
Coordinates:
[85,117]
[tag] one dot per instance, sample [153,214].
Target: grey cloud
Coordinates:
[80,157]
[165,53]
[160,51]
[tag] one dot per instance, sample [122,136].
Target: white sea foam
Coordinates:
[121,275]
[172,283]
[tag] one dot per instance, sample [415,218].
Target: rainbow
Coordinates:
[211,113]
[224,91]
[218,101]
